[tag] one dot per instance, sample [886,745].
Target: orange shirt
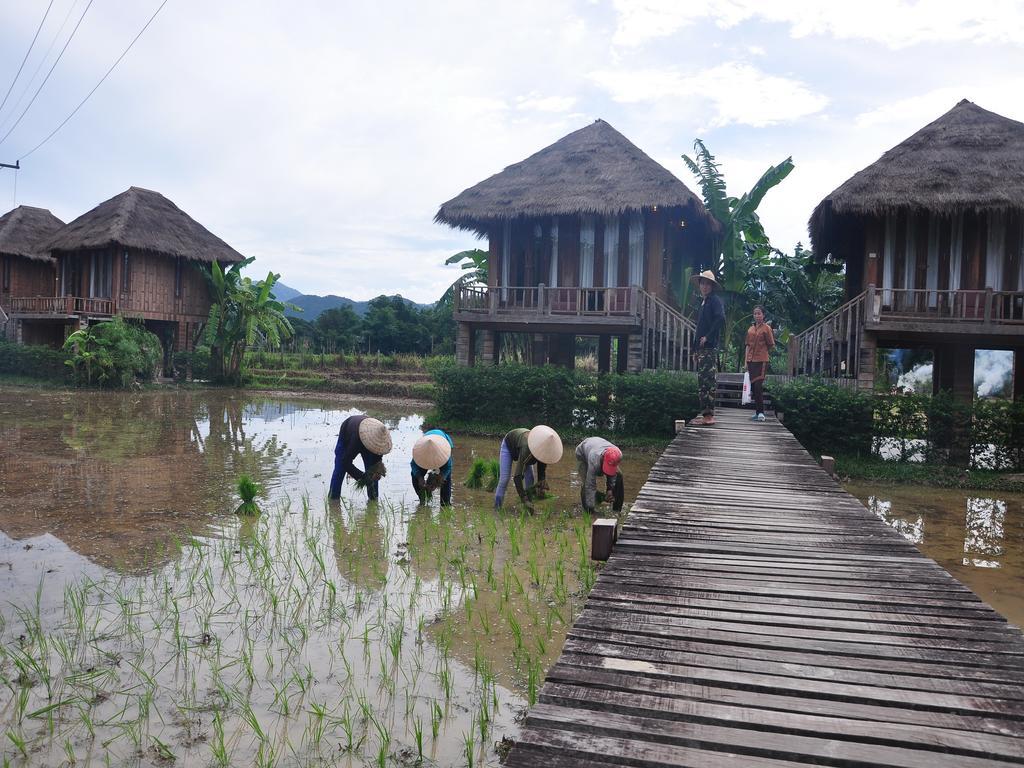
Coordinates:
[760,341]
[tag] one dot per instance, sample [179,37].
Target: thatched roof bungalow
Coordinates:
[24,268]
[588,227]
[942,209]
[136,254]
[932,235]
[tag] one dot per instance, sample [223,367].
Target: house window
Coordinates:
[636,249]
[587,252]
[100,275]
[177,278]
[611,251]
[553,281]
[7,273]
[126,273]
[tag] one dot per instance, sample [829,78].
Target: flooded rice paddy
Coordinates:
[978,536]
[143,623]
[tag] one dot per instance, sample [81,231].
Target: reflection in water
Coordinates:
[983,544]
[977,538]
[911,529]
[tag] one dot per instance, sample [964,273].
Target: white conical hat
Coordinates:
[545,444]
[374,436]
[431,452]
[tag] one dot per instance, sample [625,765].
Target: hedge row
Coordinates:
[628,404]
[37,362]
[986,434]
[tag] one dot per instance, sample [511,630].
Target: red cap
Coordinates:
[612,459]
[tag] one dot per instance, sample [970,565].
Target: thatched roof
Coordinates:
[968,159]
[144,220]
[593,170]
[23,229]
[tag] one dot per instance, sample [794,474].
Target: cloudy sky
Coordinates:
[321,137]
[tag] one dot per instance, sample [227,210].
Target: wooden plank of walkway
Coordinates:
[755,614]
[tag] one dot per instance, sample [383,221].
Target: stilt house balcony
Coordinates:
[60,307]
[591,310]
[842,344]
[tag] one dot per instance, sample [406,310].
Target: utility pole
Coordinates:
[16,166]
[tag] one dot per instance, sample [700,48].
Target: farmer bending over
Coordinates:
[596,456]
[432,466]
[526,447]
[360,436]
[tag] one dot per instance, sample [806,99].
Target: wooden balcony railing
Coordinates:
[61,305]
[960,306]
[665,336]
[831,347]
[537,300]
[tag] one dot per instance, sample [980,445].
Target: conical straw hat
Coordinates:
[545,444]
[708,275]
[431,452]
[374,436]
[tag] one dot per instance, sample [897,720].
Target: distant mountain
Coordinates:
[313,306]
[284,293]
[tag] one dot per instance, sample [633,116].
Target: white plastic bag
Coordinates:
[746,399]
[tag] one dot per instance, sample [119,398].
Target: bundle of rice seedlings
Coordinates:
[248,490]
[483,474]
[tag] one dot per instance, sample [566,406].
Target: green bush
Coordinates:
[37,362]
[629,404]
[113,354]
[826,418]
[937,430]
[197,361]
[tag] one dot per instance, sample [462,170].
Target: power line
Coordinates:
[90,93]
[39,66]
[45,79]
[30,47]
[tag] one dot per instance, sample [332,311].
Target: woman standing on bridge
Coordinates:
[760,342]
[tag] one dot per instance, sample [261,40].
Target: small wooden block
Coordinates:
[828,464]
[680,425]
[603,533]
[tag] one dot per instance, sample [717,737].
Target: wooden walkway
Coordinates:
[755,614]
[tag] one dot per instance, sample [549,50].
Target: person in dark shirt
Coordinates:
[360,436]
[710,322]
[432,466]
[520,451]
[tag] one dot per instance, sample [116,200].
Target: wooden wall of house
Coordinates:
[969,251]
[26,277]
[162,288]
[668,244]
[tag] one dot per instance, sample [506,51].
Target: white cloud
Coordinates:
[894,23]
[737,93]
[534,101]
[1001,95]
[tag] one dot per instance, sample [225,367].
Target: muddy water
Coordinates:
[142,619]
[978,536]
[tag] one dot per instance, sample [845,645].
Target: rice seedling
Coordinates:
[248,490]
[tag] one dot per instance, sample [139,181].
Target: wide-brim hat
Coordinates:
[431,452]
[610,461]
[708,275]
[545,444]
[374,436]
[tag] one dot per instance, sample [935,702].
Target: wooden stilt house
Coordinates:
[24,269]
[588,237]
[137,255]
[932,235]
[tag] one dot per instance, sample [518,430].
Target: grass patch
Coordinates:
[876,470]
